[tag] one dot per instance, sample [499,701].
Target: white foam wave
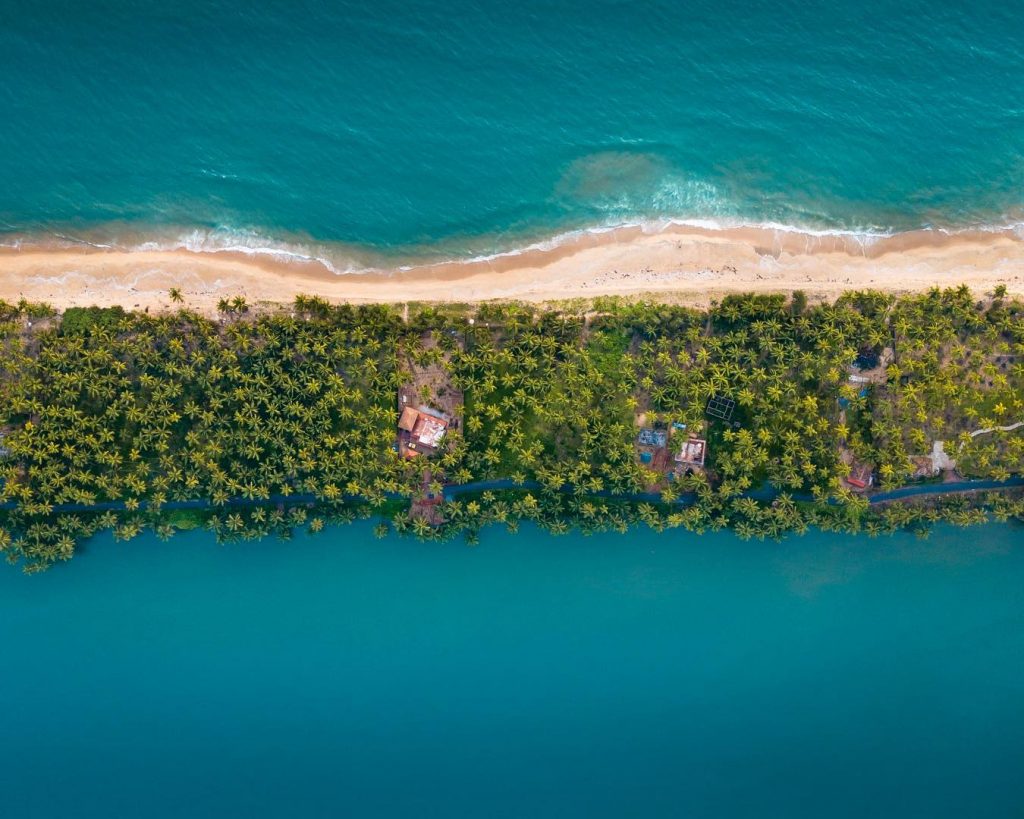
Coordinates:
[334,258]
[249,243]
[77,240]
[655,226]
[864,237]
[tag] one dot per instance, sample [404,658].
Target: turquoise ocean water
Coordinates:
[463,127]
[531,676]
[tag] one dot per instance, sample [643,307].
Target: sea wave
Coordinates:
[343,259]
[336,258]
[252,243]
[864,237]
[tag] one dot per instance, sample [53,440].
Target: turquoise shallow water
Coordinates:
[530,676]
[467,126]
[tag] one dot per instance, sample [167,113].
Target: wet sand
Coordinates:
[681,264]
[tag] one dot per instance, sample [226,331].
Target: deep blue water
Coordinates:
[470,125]
[530,676]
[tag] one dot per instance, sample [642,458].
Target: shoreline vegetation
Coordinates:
[680,263]
[765,414]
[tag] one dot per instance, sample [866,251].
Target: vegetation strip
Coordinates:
[763,414]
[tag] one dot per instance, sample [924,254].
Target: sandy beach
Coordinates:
[682,264]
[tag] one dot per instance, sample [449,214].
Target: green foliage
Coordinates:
[81,320]
[184,520]
[267,416]
[958,368]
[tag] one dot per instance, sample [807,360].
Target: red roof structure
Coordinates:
[860,475]
[420,431]
[408,419]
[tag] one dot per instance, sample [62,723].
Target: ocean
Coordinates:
[423,130]
[531,676]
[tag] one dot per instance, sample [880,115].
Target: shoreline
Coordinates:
[681,263]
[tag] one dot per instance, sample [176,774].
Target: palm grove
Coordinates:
[257,424]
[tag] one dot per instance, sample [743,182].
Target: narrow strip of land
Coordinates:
[453,491]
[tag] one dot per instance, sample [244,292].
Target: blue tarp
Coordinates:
[653,437]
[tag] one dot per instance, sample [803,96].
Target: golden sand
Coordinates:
[681,264]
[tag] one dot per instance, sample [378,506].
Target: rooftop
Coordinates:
[867,360]
[693,451]
[429,430]
[408,419]
[860,475]
[652,437]
[421,429]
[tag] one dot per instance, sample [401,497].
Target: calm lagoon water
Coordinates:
[530,676]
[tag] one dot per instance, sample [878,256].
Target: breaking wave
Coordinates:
[343,259]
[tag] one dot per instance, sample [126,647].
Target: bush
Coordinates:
[80,320]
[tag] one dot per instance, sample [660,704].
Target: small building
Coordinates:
[408,420]
[693,452]
[870,367]
[421,430]
[924,467]
[652,449]
[867,360]
[652,437]
[861,475]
